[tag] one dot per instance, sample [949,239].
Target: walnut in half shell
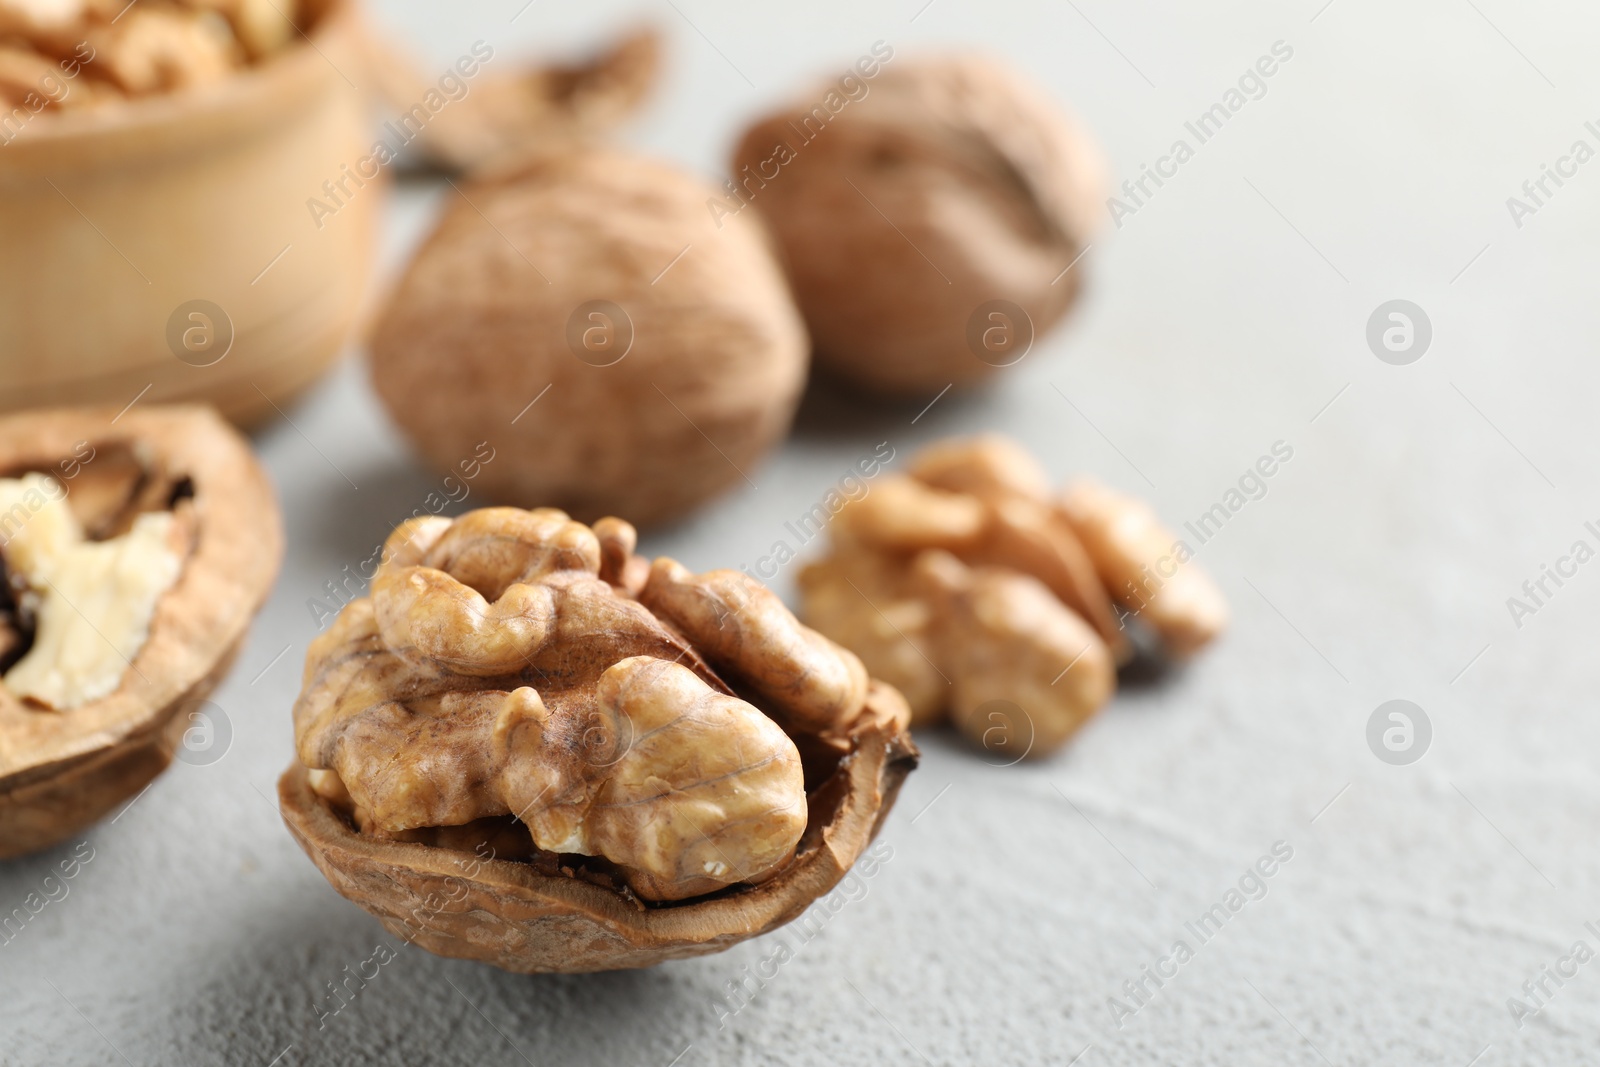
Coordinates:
[532,747]
[133,555]
[927,219]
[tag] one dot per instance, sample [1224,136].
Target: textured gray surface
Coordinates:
[1227,314]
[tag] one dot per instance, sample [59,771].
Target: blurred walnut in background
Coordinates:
[928,211]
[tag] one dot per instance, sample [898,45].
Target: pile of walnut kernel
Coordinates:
[60,54]
[992,601]
[521,682]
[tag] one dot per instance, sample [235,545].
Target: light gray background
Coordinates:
[1227,314]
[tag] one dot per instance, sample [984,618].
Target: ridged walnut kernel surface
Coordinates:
[990,601]
[633,742]
[62,768]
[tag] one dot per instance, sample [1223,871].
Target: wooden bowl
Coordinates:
[115,220]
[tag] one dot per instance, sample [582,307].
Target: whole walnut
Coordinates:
[672,353]
[928,215]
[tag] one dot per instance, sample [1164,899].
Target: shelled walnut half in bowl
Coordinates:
[134,551]
[531,746]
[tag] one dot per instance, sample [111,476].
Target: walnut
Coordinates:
[261,26]
[85,53]
[1141,564]
[23,76]
[988,601]
[661,763]
[928,220]
[159,50]
[671,351]
[508,110]
[133,556]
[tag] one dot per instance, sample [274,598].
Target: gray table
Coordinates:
[1228,312]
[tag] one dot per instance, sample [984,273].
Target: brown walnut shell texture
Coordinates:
[953,182]
[470,685]
[507,111]
[479,328]
[63,770]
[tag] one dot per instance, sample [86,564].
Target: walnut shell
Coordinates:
[662,763]
[62,770]
[506,111]
[927,225]
[520,919]
[672,353]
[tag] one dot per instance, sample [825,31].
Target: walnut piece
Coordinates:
[1142,567]
[908,214]
[151,51]
[988,601]
[501,667]
[69,54]
[95,598]
[133,555]
[671,350]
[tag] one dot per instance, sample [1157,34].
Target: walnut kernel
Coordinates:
[988,601]
[662,737]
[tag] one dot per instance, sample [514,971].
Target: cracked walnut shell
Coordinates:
[994,603]
[671,350]
[532,747]
[929,221]
[134,550]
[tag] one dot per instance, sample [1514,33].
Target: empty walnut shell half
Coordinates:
[532,747]
[134,550]
[928,214]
